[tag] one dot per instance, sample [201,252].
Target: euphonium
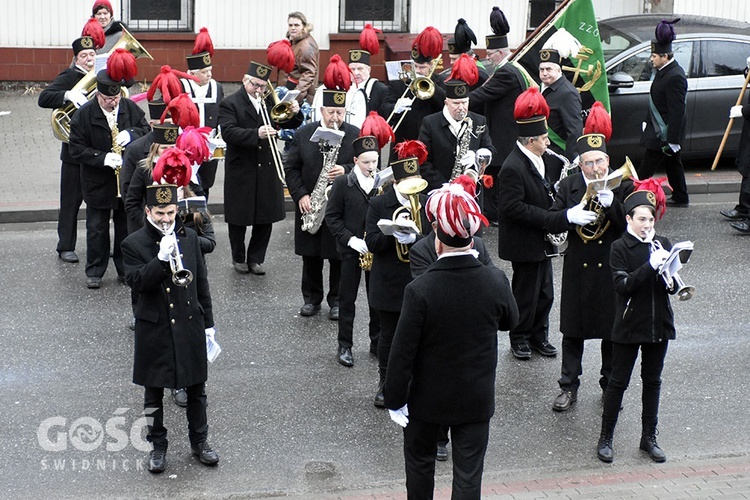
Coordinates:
[180,275]
[61,116]
[411,189]
[596,229]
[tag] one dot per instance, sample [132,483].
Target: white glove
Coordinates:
[123,138]
[658,257]
[166,247]
[210,333]
[400,416]
[747,62]
[580,216]
[212,347]
[605,197]
[674,147]
[76,97]
[735,111]
[405,238]
[402,105]
[357,244]
[469,159]
[113,160]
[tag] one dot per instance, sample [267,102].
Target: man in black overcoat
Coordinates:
[587,304]
[741,211]
[172,322]
[368,94]
[92,145]
[59,93]
[253,191]
[525,194]
[303,167]
[441,370]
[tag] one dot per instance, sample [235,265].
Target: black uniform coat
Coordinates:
[565,118]
[497,97]
[442,145]
[346,211]
[523,203]
[91,140]
[422,254]
[643,313]
[409,128]
[53,97]
[668,91]
[253,193]
[377,95]
[743,153]
[136,151]
[444,352]
[304,163]
[587,307]
[170,320]
[210,109]
[388,276]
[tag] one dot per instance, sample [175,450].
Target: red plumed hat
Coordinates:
[183,111]
[168,83]
[465,69]
[194,142]
[654,186]
[466,182]
[121,66]
[529,104]
[280,55]
[376,125]
[337,74]
[368,39]
[173,167]
[428,44]
[409,148]
[93,29]
[203,43]
[598,121]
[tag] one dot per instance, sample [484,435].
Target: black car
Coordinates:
[712,52]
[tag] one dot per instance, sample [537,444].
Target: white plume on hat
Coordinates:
[564,43]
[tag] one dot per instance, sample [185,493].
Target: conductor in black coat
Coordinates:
[304,164]
[91,144]
[172,322]
[59,93]
[451,131]
[525,194]
[442,364]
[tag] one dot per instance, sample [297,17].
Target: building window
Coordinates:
[387,15]
[164,15]
[539,10]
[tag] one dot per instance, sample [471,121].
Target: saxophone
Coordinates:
[463,148]
[116,148]
[312,220]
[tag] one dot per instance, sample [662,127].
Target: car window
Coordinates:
[639,67]
[725,57]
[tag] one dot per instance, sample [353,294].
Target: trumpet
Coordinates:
[266,117]
[411,189]
[180,275]
[422,87]
[674,282]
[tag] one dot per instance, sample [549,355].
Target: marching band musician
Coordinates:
[97,131]
[55,96]
[368,93]
[459,44]
[390,270]
[587,307]
[345,216]
[253,192]
[426,47]
[172,322]
[452,137]
[525,194]
[303,167]
[206,93]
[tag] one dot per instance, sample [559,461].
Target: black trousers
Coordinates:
[207,175]
[672,165]
[388,323]
[533,290]
[312,281]
[97,239]
[623,361]
[489,208]
[571,370]
[743,205]
[153,406]
[351,275]
[256,248]
[469,447]
[71,198]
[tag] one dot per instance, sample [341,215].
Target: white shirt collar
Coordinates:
[454,125]
[470,251]
[535,160]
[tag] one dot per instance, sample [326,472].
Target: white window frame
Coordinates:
[184,23]
[399,23]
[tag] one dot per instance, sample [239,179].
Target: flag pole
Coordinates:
[729,125]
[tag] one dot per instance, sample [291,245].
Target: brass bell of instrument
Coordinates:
[411,189]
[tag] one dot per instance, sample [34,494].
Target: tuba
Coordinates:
[596,229]
[61,116]
[411,189]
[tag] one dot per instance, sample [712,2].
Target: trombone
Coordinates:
[422,87]
[266,117]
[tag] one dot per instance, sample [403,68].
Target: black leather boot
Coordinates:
[648,444]
[379,397]
[604,450]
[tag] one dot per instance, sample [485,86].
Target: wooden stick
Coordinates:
[729,125]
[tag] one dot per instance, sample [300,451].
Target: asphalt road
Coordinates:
[287,420]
